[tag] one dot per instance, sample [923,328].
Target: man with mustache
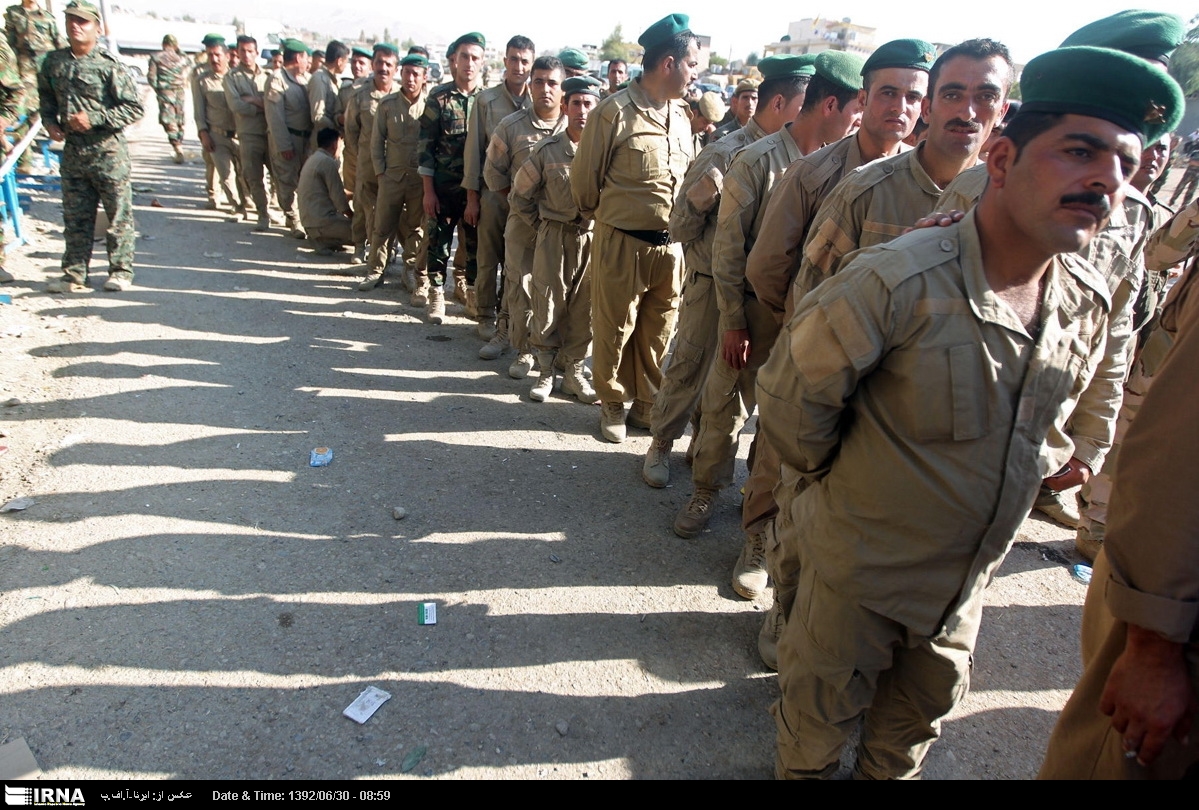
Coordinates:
[909,399]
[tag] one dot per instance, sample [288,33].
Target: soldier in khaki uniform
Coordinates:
[486,210]
[321,196]
[561,277]
[290,125]
[511,142]
[359,115]
[693,224]
[216,127]
[245,92]
[741,107]
[1132,714]
[910,400]
[628,169]
[394,145]
[324,85]
[360,70]
[747,328]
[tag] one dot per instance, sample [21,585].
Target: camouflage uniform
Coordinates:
[10,108]
[32,33]
[168,75]
[95,163]
[441,151]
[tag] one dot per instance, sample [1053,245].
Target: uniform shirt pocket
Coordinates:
[641,156]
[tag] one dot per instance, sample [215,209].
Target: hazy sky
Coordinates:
[1026,27]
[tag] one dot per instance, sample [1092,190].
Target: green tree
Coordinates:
[716,60]
[407,44]
[752,59]
[387,35]
[614,47]
[1184,63]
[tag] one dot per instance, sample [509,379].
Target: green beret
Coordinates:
[841,68]
[1132,93]
[746,85]
[787,65]
[473,38]
[1147,34]
[417,59]
[360,51]
[664,30]
[573,58]
[212,39]
[83,10]
[581,84]
[902,53]
[295,46]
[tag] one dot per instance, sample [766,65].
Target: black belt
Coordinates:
[300,133]
[655,238]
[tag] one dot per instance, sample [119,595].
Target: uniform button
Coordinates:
[947,245]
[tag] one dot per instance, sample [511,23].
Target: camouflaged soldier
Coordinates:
[11,93]
[216,127]
[442,150]
[289,123]
[88,98]
[168,78]
[485,209]
[360,123]
[31,33]
[394,157]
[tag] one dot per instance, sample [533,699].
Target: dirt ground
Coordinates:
[188,598]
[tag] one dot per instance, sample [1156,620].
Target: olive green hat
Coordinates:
[83,10]
[664,30]
[1147,34]
[902,53]
[212,39]
[573,58]
[746,85]
[787,65]
[473,38]
[711,107]
[841,68]
[417,59]
[295,46]
[1132,93]
[358,50]
[581,84]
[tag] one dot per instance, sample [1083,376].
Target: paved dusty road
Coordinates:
[188,598]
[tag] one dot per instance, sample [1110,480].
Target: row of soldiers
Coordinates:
[610,229]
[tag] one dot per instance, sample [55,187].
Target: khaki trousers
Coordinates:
[493,219]
[561,297]
[840,663]
[399,211]
[329,234]
[1083,744]
[223,166]
[287,176]
[695,345]
[519,243]
[728,400]
[254,157]
[634,303]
